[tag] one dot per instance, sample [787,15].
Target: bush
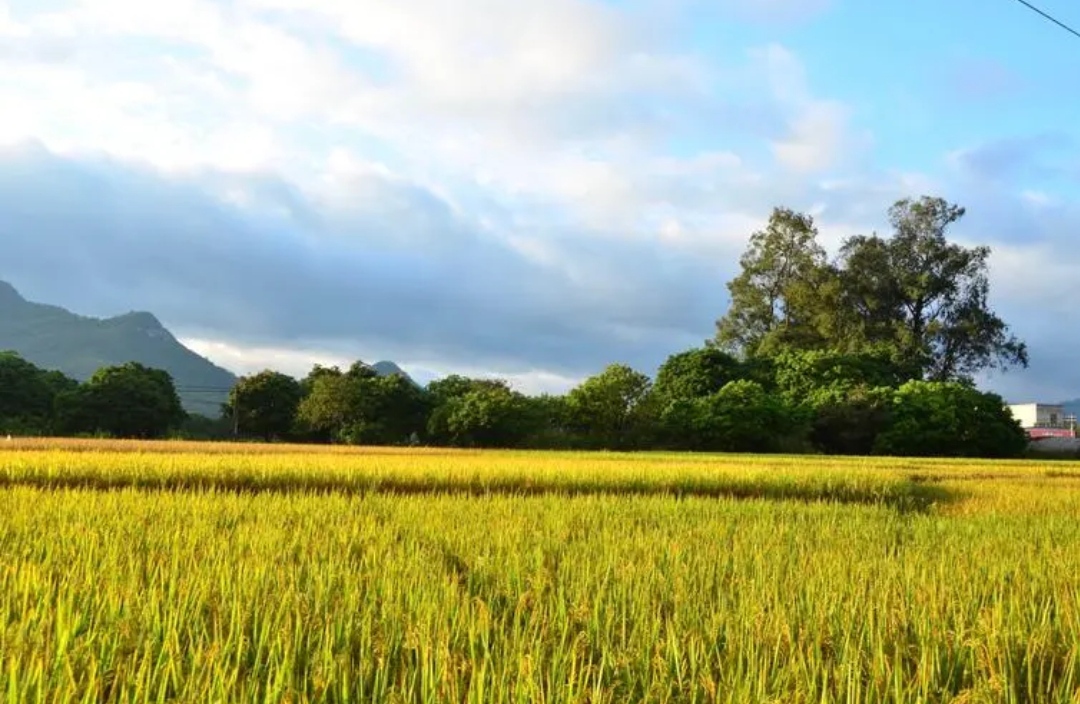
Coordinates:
[948,419]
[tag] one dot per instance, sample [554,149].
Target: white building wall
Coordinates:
[1034,415]
[1026,413]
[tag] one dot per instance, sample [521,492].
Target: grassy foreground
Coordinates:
[214,573]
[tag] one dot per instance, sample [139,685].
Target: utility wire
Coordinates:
[1050,17]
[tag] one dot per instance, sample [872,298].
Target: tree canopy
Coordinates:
[125,401]
[914,295]
[265,404]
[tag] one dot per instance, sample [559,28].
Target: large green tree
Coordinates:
[695,373]
[914,294]
[28,395]
[478,413]
[949,419]
[358,406]
[265,404]
[776,298]
[125,401]
[926,296]
[613,410]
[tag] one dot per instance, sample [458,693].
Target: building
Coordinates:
[1042,420]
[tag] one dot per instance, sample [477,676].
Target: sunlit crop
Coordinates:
[221,573]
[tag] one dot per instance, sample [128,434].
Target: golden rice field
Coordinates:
[162,572]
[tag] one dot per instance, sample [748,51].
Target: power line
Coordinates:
[1050,17]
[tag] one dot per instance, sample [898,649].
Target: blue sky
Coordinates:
[528,190]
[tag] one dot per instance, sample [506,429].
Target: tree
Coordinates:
[392,409]
[950,419]
[325,409]
[847,420]
[611,410]
[487,416]
[695,373]
[915,294]
[842,395]
[801,375]
[125,401]
[265,404]
[28,395]
[360,407]
[926,297]
[478,413]
[547,423]
[776,299]
[740,417]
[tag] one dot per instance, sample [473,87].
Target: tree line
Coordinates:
[871,352]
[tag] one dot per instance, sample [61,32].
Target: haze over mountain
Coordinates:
[54,338]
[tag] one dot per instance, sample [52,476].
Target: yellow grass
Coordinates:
[201,573]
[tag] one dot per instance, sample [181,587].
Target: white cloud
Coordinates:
[251,359]
[817,140]
[298,362]
[819,132]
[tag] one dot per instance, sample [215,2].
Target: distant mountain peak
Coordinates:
[8,294]
[138,320]
[387,368]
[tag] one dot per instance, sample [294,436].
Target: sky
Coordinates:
[523,190]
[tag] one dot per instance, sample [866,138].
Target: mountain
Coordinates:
[386,368]
[54,338]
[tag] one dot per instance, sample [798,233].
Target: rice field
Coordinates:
[146,572]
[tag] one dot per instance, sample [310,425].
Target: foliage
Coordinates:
[265,405]
[613,409]
[28,396]
[847,420]
[915,295]
[774,298]
[126,401]
[547,420]
[325,409]
[695,373]
[360,407]
[925,296]
[950,419]
[740,417]
[802,375]
[477,413]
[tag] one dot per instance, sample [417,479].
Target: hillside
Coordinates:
[54,338]
[386,368]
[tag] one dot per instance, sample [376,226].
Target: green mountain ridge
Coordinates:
[52,337]
[386,368]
